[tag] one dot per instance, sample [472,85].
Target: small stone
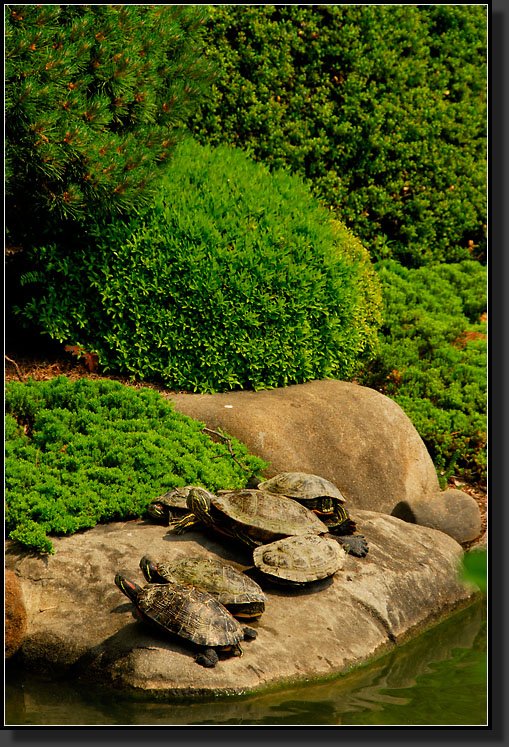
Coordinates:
[452,511]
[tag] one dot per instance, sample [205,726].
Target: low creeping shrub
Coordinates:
[89,451]
[236,278]
[433,361]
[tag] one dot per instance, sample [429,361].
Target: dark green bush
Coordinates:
[381,107]
[95,98]
[432,359]
[236,278]
[89,451]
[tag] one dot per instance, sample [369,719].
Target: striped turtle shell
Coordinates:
[301,486]
[190,613]
[266,516]
[239,593]
[300,559]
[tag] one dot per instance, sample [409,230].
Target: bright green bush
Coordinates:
[89,451]
[381,107]
[432,359]
[237,278]
[95,98]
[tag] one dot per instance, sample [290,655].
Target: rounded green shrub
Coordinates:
[82,452]
[433,359]
[95,98]
[381,107]
[236,278]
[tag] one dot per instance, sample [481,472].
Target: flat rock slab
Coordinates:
[79,623]
[354,436]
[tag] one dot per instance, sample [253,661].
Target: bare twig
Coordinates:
[229,443]
[20,377]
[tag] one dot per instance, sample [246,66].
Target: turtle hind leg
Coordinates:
[207,658]
[354,544]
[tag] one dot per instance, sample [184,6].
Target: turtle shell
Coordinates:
[228,585]
[300,559]
[301,486]
[190,613]
[267,516]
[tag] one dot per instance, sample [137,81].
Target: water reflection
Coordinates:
[437,678]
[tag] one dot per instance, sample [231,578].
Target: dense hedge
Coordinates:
[433,362]
[89,451]
[381,107]
[95,98]
[237,278]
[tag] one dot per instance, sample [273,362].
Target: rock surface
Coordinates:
[352,435]
[454,512]
[15,614]
[79,623]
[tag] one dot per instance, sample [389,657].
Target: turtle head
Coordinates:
[198,501]
[129,588]
[253,482]
[158,511]
[149,570]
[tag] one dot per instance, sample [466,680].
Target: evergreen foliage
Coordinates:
[89,451]
[236,278]
[432,359]
[96,96]
[381,107]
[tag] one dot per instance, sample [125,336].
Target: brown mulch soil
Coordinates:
[41,367]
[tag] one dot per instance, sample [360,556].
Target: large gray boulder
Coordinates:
[352,435]
[79,623]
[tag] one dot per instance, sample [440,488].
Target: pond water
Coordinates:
[439,678]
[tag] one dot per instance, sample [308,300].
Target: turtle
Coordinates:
[322,497]
[255,517]
[171,506]
[299,560]
[241,595]
[192,614]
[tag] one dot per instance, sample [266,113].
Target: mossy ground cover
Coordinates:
[89,451]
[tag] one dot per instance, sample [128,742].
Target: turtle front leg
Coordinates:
[182,525]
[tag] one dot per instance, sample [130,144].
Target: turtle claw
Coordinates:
[354,544]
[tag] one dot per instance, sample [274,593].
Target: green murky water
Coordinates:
[438,678]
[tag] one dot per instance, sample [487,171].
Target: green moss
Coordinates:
[89,451]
